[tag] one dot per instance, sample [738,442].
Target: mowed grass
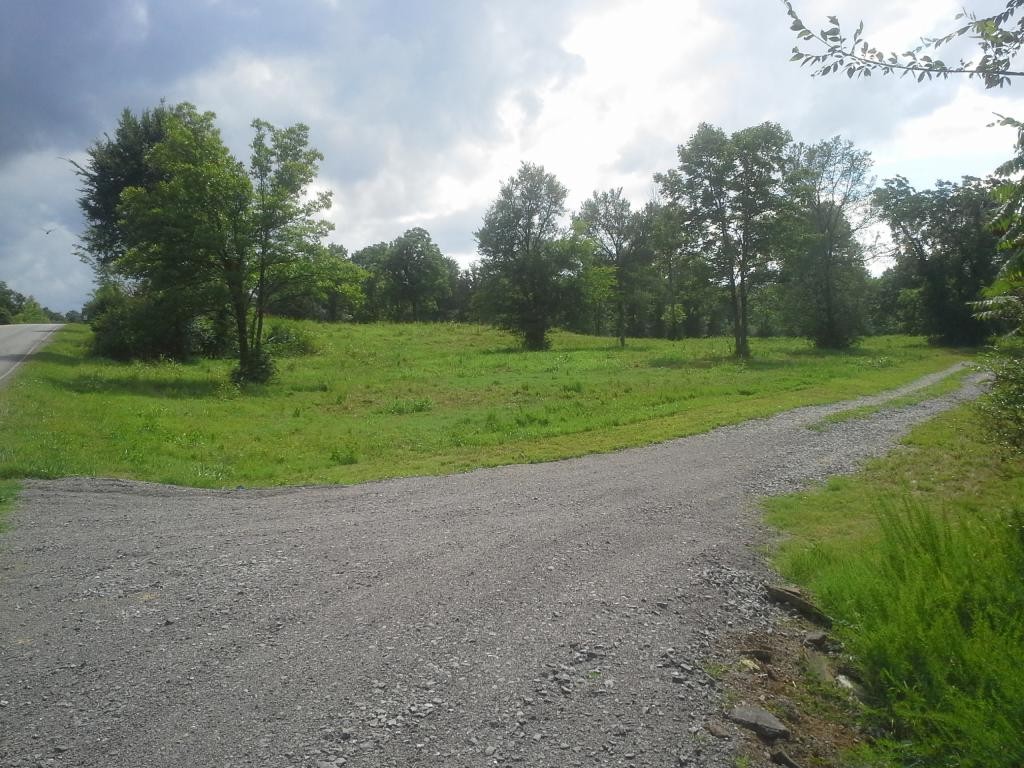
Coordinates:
[920,559]
[387,400]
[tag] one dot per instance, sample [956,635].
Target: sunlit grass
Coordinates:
[388,400]
[920,560]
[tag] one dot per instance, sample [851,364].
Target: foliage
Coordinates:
[467,398]
[1003,406]
[525,257]
[194,232]
[290,340]
[999,38]
[326,286]
[18,308]
[409,278]
[823,264]
[927,593]
[146,325]
[946,253]
[114,165]
[729,190]
[621,236]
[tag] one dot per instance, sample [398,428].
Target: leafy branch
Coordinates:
[999,37]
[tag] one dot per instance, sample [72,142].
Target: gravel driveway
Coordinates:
[516,616]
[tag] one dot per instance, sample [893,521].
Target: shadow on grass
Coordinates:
[57,358]
[716,361]
[133,385]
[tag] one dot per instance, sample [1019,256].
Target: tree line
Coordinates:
[751,234]
[18,308]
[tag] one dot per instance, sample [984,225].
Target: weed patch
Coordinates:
[920,560]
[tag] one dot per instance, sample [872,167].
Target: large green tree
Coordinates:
[208,227]
[829,193]
[621,236]
[526,258]
[946,253]
[730,188]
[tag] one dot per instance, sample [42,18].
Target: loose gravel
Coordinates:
[561,614]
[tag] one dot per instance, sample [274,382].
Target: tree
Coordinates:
[208,228]
[999,38]
[326,286]
[416,277]
[946,251]
[729,188]
[11,303]
[621,235]
[525,258]
[824,271]
[287,230]
[113,165]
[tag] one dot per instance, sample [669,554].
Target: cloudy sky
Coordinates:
[423,107]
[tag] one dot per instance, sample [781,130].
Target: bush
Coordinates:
[257,368]
[1003,407]
[139,327]
[290,341]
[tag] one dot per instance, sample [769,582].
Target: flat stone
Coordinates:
[761,721]
[717,730]
[817,639]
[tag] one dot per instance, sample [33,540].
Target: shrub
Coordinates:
[257,368]
[1003,407]
[290,341]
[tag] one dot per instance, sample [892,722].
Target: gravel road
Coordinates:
[554,614]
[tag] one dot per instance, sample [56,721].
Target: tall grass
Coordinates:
[386,400]
[921,561]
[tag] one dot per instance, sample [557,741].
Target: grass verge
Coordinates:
[947,385]
[9,490]
[389,400]
[920,558]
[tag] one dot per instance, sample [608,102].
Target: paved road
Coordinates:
[17,342]
[561,614]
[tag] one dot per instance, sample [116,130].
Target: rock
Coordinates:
[717,730]
[763,655]
[761,721]
[490,751]
[795,598]
[779,757]
[816,639]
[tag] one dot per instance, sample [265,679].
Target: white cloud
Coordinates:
[38,231]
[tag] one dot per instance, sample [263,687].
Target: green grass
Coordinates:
[920,558]
[944,387]
[388,400]
[9,490]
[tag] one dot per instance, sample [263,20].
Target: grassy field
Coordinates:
[920,558]
[387,400]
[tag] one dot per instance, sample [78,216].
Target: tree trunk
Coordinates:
[742,332]
[621,321]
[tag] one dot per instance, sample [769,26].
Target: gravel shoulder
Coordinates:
[554,614]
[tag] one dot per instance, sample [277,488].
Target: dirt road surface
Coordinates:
[562,614]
